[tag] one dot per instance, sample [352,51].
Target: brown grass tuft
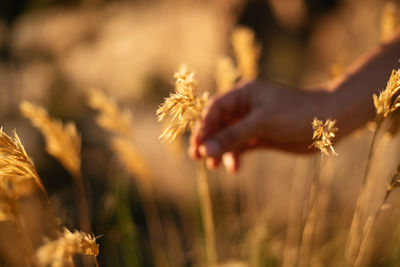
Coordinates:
[247,52]
[17,171]
[62,141]
[389,21]
[323,134]
[59,252]
[111,118]
[183,107]
[226,74]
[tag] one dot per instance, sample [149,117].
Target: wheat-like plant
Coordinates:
[119,123]
[388,100]
[226,74]
[59,252]
[386,103]
[17,171]
[127,153]
[183,106]
[323,134]
[389,21]
[62,141]
[111,117]
[247,52]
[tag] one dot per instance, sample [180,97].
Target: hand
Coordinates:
[255,115]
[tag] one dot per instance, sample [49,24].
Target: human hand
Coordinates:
[255,115]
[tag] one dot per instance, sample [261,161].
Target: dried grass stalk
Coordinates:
[247,52]
[323,135]
[388,100]
[226,74]
[183,107]
[17,171]
[389,21]
[110,118]
[62,141]
[59,252]
[131,159]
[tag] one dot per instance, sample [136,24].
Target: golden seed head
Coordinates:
[323,135]
[183,107]
[389,21]
[17,172]
[226,74]
[8,206]
[247,52]
[111,118]
[62,141]
[388,100]
[59,252]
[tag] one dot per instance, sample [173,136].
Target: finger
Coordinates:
[213,163]
[232,137]
[231,162]
[222,111]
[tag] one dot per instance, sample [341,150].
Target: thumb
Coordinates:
[232,137]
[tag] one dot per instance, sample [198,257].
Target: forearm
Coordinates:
[351,99]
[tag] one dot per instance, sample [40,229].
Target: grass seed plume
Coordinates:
[226,74]
[388,100]
[17,171]
[110,118]
[62,141]
[323,135]
[183,107]
[389,21]
[59,252]
[247,52]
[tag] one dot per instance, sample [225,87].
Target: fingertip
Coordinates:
[213,163]
[231,162]
[210,148]
[193,152]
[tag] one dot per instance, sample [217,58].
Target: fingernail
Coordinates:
[210,148]
[229,163]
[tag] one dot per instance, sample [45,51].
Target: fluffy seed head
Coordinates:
[17,172]
[247,52]
[110,117]
[8,206]
[323,135]
[389,22]
[62,141]
[226,74]
[388,100]
[59,252]
[183,107]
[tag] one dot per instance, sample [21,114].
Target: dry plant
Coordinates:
[385,105]
[184,107]
[389,21]
[226,74]
[247,52]
[63,143]
[367,230]
[59,252]
[119,123]
[111,118]
[323,134]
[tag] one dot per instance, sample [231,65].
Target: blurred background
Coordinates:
[52,52]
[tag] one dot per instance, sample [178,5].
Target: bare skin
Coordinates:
[257,114]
